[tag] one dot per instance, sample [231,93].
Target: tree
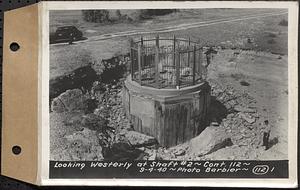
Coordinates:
[97,16]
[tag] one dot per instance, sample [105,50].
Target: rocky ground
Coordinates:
[246,91]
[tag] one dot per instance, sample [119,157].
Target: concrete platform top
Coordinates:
[164,94]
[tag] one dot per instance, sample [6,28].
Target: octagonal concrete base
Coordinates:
[172,116]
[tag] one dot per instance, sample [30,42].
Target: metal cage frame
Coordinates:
[166,62]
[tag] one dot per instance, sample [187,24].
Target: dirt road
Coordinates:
[180,27]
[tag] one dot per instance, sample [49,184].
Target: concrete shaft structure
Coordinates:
[172,116]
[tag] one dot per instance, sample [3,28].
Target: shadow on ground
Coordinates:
[273,142]
[217,111]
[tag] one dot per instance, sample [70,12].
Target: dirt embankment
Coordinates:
[84,109]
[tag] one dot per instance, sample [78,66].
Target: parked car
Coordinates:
[66,34]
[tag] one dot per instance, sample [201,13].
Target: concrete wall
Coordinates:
[171,118]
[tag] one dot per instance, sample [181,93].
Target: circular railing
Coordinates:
[166,62]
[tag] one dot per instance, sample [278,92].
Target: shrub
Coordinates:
[244,83]
[148,13]
[118,13]
[237,76]
[272,35]
[104,16]
[271,41]
[232,59]
[283,22]
[98,16]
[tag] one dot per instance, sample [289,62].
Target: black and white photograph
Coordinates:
[178,84]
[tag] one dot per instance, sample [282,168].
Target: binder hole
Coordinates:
[16,150]
[14,46]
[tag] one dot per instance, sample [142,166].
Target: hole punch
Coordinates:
[14,46]
[16,150]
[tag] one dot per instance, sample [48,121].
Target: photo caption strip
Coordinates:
[168,169]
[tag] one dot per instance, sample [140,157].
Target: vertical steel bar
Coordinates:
[131,57]
[194,65]
[189,52]
[200,64]
[177,70]
[174,50]
[157,69]
[142,51]
[140,64]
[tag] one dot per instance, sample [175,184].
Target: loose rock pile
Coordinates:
[242,117]
[101,128]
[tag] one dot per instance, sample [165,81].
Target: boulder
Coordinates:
[84,145]
[138,139]
[214,123]
[230,104]
[247,118]
[239,108]
[226,123]
[210,140]
[163,154]
[180,152]
[122,151]
[95,123]
[69,101]
[90,104]
[152,155]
